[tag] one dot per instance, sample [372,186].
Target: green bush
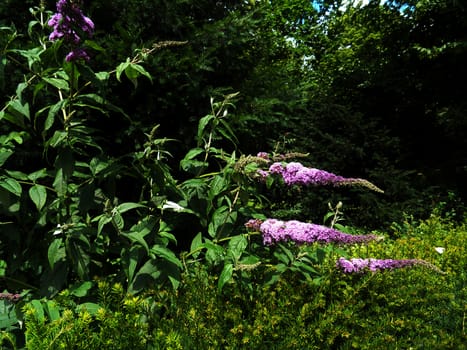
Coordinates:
[416,308]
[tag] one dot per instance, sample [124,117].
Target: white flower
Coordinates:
[440,250]
[58,230]
[172,205]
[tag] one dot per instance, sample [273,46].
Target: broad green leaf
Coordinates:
[196,244]
[58,138]
[166,254]
[38,308]
[132,75]
[3,267]
[237,245]
[121,68]
[56,252]
[202,126]
[39,174]
[60,84]
[140,69]
[103,76]
[4,155]
[11,185]
[219,218]
[225,276]
[117,220]
[18,107]
[124,207]
[130,262]
[92,308]
[227,132]
[8,316]
[54,109]
[137,237]
[38,195]
[80,289]
[193,166]
[77,251]
[18,175]
[217,186]
[192,153]
[52,310]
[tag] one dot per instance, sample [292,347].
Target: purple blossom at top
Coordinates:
[274,231]
[71,24]
[295,173]
[358,265]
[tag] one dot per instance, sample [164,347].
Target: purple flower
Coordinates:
[71,25]
[10,297]
[274,231]
[263,155]
[296,174]
[360,265]
[77,53]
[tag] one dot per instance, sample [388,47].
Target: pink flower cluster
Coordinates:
[70,24]
[295,173]
[360,265]
[10,297]
[274,231]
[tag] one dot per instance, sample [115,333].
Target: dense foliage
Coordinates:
[129,165]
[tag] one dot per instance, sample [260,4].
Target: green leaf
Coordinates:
[36,175]
[4,155]
[8,316]
[130,259]
[124,207]
[18,107]
[196,244]
[38,309]
[166,254]
[103,76]
[141,70]
[192,153]
[77,250]
[60,84]
[54,109]
[117,220]
[92,308]
[193,166]
[38,195]
[225,276]
[52,310]
[137,237]
[202,125]
[237,245]
[218,219]
[217,186]
[121,68]
[56,252]
[80,289]
[11,185]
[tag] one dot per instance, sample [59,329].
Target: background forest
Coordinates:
[126,180]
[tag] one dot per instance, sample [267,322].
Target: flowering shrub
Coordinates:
[275,231]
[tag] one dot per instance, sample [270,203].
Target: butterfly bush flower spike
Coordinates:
[71,25]
[295,173]
[275,231]
[358,265]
